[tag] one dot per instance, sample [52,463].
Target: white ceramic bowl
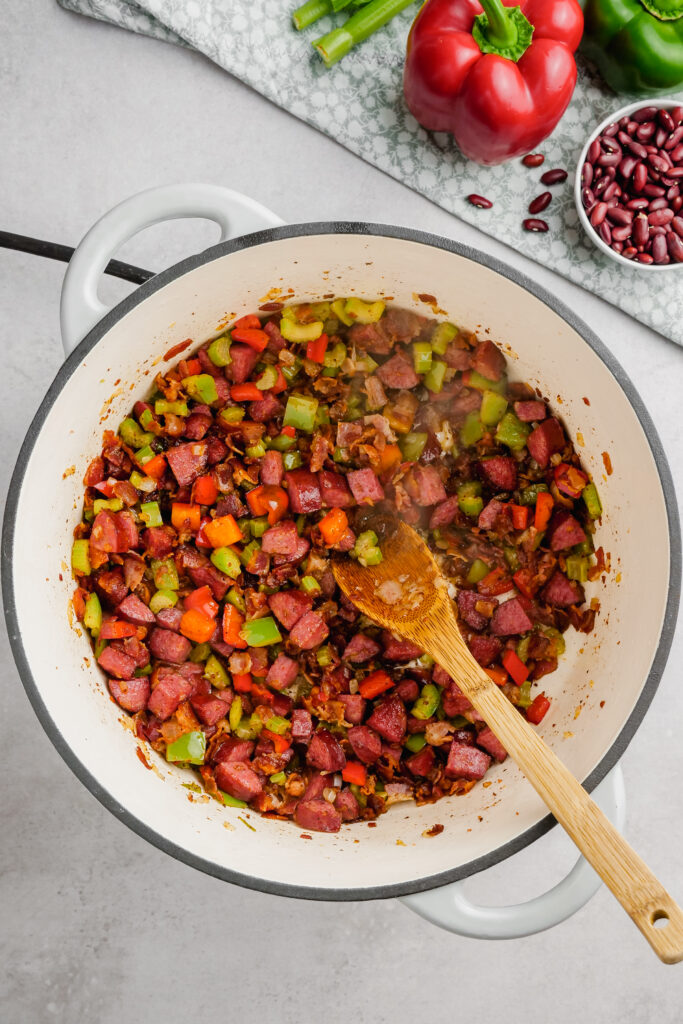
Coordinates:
[604,683]
[578,188]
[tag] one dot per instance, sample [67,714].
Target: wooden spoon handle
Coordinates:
[642,896]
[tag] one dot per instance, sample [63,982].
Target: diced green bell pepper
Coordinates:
[133,435]
[412,445]
[512,432]
[278,779]
[215,673]
[415,742]
[472,429]
[522,647]
[261,632]
[361,312]
[422,356]
[201,387]
[80,557]
[442,337]
[162,406]
[529,494]
[290,373]
[493,407]
[219,350]
[150,513]
[324,656]
[292,330]
[480,383]
[300,413]
[233,414]
[425,661]
[524,699]
[310,585]
[433,380]
[231,801]
[92,617]
[470,501]
[282,442]
[558,640]
[426,704]
[478,570]
[146,671]
[292,460]
[200,652]
[366,548]
[586,547]
[227,561]
[165,574]
[577,568]
[190,747]
[234,598]
[235,715]
[255,451]
[592,499]
[163,598]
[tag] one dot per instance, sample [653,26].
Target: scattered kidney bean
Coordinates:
[540,203]
[558,174]
[632,181]
[533,159]
[481,201]
[534,224]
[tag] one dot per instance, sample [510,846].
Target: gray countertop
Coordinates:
[96,925]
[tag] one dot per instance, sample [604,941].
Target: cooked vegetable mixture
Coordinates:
[210,520]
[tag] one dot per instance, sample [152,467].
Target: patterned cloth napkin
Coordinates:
[360,104]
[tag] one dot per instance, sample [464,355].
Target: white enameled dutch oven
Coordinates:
[610,675]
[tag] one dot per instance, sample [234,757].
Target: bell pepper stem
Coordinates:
[502,30]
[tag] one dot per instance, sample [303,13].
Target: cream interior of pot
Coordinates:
[599,679]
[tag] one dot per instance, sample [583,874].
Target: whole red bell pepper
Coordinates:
[498,77]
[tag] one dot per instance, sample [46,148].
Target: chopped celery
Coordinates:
[282,443]
[146,418]
[361,312]
[310,585]
[279,778]
[301,412]
[586,547]
[512,557]
[478,570]
[247,552]
[162,406]
[113,504]
[336,355]
[277,724]
[219,351]
[480,383]
[470,501]
[235,715]
[294,331]
[442,337]
[412,445]
[201,387]
[165,574]
[80,557]
[577,567]
[143,483]
[190,747]
[261,632]
[337,308]
[132,434]
[163,598]
[268,379]
[255,451]
[227,561]
[422,356]
[322,417]
[215,673]
[592,499]
[200,652]
[150,513]
[493,407]
[324,656]
[415,742]
[426,704]
[366,548]
[292,460]
[433,380]
[512,432]
[522,648]
[524,695]
[472,429]
[258,526]
[233,414]
[290,373]
[92,617]
[144,455]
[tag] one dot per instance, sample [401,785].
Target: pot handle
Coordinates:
[449,908]
[236,214]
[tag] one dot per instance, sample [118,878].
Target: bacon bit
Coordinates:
[435,830]
[304,835]
[372,824]
[177,349]
[425,297]
[141,757]
[607,463]
[602,703]
[585,400]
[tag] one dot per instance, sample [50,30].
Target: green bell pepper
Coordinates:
[190,747]
[442,337]
[637,45]
[592,499]
[434,379]
[412,445]
[165,574]
[577,568]
[80,557]
[113,504]
[200,652]
[493,407]
[235,715]
[416,742]
[478,570]
[426,704]
[92,617]
[234,598]
[132,434]
[201,387]
[512,432]
[215,673]
[472,429]
[292,460]
[261,632]
[233,414]
[227,561]
[150,513]
[422,356]
[470,501]
[300,413]
[231,801]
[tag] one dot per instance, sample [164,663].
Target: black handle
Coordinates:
[55,251]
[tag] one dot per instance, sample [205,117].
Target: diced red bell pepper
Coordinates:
[495,582]
[520,516]
[570,480]
[315,350]
[544,508]
[261,694]
[515,666]
[242,682]
[105,487]
[333,526]
[280,743]
[201,540]
[232,624]
[355,772]
[524,581]
[245,393]
[376,683]
[280,385]
[498,675]
[197,627]
[204,490]
[250,321]
[268,500]
[253,337]
[289,431]
[202,600]
[186,517]
[156,467]
[536,711]
[194,367]
[113,629]
[223,531]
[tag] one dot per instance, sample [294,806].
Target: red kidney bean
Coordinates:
[605,232]
[653,191]
[587,175]
[611,192]
[637,204]
[657,162]
[675,173]
[660,137]
[481,201]
[600,186]
[674,138]
[618,215]
[657,204]
[639,177]
[594,151]
[641,230]
[677,115]
[534,224]
[587,197]
[658,218]
[675,246]
[635,147]
[629,252]
[617,246]
[611,130]
[672,192]
[609,158]
[666,120]
[660,253]
[627,166]
[533,159]
[644,132]
[558,174]
[677,154]
[540,203]
[644,114]
[620,234]
[598,214]
[677,225]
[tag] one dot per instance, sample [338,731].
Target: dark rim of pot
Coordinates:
[160,281]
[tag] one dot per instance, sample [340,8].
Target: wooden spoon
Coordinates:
[407,594]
